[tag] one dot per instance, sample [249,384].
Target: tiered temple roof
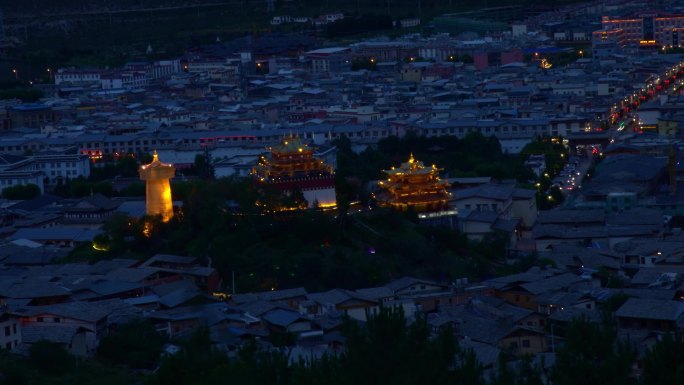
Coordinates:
[414,185]
[290,161]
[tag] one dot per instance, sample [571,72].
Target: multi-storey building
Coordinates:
[330,60]
[414,186]
[292,166]
[646,29]
[10,330]
[62,167]
[78,76]
[33,115]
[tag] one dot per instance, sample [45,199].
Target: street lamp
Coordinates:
[581,54]
[16,74]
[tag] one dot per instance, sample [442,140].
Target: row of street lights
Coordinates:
[632,102]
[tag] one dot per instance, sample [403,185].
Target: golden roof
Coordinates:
[291,145]
[412,166]
[156,163]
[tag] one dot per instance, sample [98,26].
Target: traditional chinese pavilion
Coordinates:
[291,166]
[414,185]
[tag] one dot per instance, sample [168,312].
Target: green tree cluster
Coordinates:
[592,355]
[664,363]
[48,363]
[21,192]
[555,156]
[361,24]
[26,95]
[135,344]
[474,155]
[266,250]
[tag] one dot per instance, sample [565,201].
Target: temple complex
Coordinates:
[292,166]
[158,189]
[414,185]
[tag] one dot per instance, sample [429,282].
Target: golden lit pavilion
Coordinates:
[414,185]
[292,165]
[158,188]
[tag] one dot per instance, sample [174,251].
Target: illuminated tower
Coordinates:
[158,189]
[291,166]
[416,186]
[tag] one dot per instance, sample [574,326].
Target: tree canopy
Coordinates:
[21,192]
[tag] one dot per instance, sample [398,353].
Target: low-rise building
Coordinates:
[330,60]
[10,329]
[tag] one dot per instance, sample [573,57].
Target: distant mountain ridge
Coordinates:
[42,7]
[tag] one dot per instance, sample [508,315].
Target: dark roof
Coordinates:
[490,217]
[651,309]
[105,266]
[560,298]
[168,288]
[257,308]
[275,295]
[281,317]
[35,203]
[571,313]
[169,258]
[571,216]
[32,289]
[532,275]
[557,282]
[12,254]
[337,296]
[8,159]
[127,274]
[376,293]
[592,232]
[660,294]
[490,191]
[180,297]
[56,234]
[404,282]
[97,202]
[83,311]
[61,334]
[113,287]
[636,216]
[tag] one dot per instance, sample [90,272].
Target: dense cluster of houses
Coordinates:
[230,100]
[77,304]
[233,96]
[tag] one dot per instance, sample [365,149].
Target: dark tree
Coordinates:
[664,363]
[21,192]
[592,356]
[136,344]
[50,357]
